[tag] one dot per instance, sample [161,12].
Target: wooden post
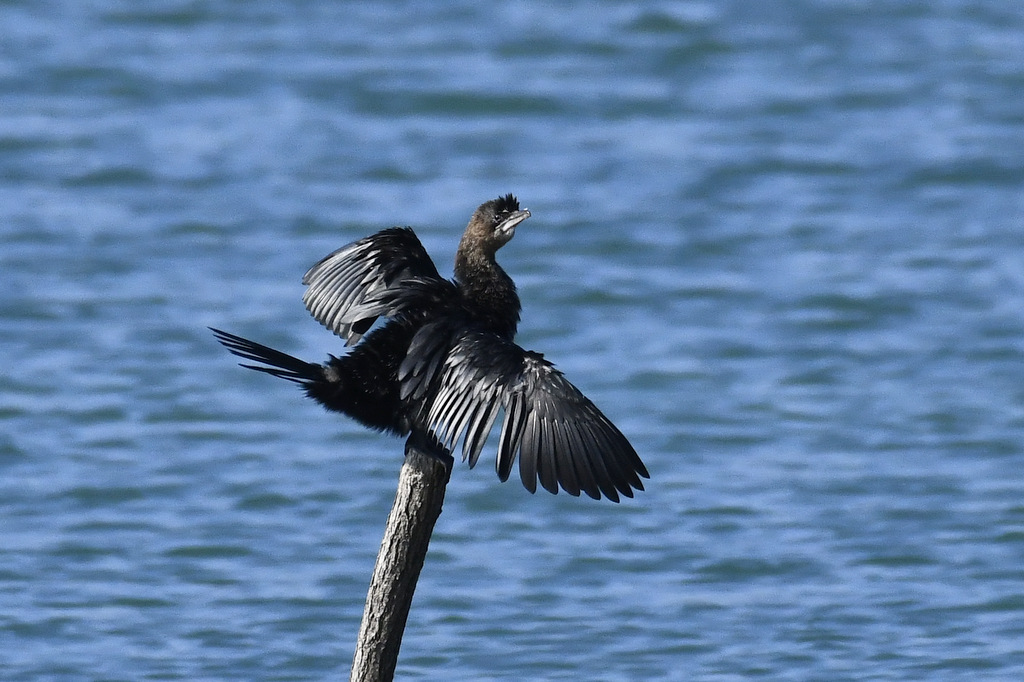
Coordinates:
[417,506]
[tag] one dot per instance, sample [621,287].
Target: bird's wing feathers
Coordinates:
[559,436]
[419,369]
[345,288]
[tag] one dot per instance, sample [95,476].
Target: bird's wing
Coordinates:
[344,288]
[560,437]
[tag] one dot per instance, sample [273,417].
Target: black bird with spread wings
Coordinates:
[445,366]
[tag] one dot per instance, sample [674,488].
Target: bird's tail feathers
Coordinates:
[275,362]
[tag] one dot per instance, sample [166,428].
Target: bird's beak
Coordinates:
[508,226]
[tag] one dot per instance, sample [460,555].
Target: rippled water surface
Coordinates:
[782,246]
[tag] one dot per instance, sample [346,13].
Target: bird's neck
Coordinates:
[488,293]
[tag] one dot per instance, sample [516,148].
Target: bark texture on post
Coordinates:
[421,486]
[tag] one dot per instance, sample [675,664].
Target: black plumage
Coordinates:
[445,365]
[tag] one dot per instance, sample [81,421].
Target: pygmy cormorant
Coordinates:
[444,366]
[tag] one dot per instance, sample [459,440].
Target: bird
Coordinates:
[441,365]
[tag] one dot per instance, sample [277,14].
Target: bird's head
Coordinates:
[494,223]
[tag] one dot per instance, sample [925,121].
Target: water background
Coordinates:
[780,244]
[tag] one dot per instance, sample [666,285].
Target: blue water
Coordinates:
[781,245]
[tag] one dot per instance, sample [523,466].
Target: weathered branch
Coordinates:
[421,486]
